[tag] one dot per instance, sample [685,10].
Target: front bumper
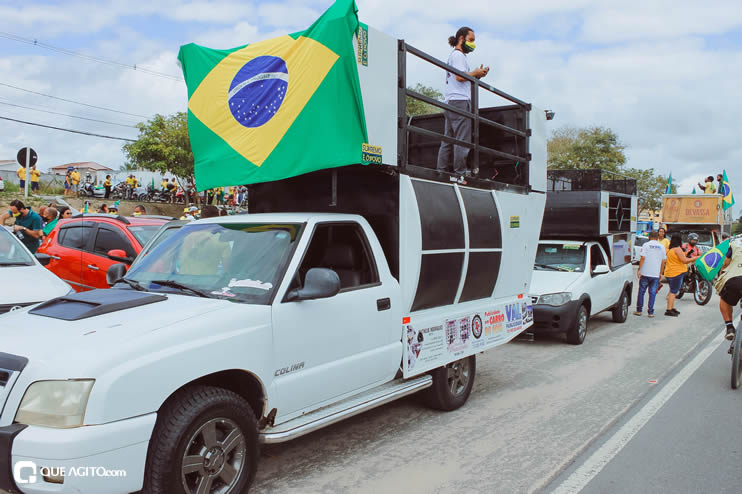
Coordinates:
[108,458]
[551,319]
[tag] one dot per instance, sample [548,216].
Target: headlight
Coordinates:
[58,404]
[555,299]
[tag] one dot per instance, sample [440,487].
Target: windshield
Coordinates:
[560,257]
[164,234]
[144,233]
[12,252]
[241,262]
[704,238]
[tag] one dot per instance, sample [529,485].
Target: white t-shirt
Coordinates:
[456,90]
[653,253]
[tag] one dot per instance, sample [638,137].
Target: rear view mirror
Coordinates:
[601,269]
[43,259]
[319,283]
[119,255]
[115,273]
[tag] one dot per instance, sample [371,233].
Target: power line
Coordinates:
[138,68]
[67,115]
[72,101]
[68,130]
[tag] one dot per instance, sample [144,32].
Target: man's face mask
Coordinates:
[468,46]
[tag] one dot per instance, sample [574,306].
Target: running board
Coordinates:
[342,410]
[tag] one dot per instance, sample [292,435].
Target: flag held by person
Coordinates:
[727,198]
[277,108]
[711,262]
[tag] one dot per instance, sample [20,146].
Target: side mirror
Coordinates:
[115,273]
[119,255]
[601,269]
[319,283]
[43,259]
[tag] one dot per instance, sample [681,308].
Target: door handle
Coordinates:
[383,304]
[56,257]
[94,268]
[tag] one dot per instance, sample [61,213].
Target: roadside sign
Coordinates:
[27,158]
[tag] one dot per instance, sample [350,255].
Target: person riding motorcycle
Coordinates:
[729,287]
[691,248]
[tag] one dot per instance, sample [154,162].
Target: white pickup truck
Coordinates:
[574,280]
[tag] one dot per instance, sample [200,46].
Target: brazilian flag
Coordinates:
[710,263]
[277,108]
[727,199]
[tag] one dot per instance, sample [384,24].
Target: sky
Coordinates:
[666,76]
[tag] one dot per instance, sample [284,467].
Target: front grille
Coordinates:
[7,307]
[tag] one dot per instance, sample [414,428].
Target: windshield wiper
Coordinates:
[180,286]
[546,266]
[134,284]
[16,263]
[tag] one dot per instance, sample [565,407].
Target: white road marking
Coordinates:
[599,459]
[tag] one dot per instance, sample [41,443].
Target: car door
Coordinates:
[96,261]
[330,347]
[67,252]
[601,285]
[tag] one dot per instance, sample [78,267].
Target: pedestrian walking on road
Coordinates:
[651,265]
[677,266]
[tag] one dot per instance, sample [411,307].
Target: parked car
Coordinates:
[83,247]
[23,279]
[636,251]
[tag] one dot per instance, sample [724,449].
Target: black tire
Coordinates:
[202,419]
[736,367]
[621,310]
[680,293]
[452,384]
[576,334]
[703,293]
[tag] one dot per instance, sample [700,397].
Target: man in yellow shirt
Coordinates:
[21,173]
[163,184]
[75,176]
[708,187]
[35,176]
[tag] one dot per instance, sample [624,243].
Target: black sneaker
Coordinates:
[677,313]
[730,333]
[671,313]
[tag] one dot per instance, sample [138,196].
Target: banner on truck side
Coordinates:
[434,341]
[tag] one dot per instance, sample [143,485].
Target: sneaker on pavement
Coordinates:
[671,313]
[677,313]
[650,315]
[730,333]
[637,313]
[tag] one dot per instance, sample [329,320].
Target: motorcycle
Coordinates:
[693,283]
[89,190]
[157,195]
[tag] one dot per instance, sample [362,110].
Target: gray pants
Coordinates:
[458,127]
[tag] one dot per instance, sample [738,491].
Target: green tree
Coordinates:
[650,187]
[163,146]
[416,107]
[593,147]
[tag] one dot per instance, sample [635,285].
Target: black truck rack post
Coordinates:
[521,154]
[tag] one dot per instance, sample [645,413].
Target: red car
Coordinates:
[83,247]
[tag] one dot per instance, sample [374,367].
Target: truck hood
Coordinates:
[546,281]
[42,338]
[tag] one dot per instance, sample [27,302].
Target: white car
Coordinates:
[573,281]
[23,278]
[636,251]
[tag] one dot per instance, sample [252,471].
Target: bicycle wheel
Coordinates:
[736,367]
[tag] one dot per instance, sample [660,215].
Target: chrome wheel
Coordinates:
[458,376]
[624,306]
[214,458]
[582,323]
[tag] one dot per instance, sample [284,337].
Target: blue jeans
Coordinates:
[644,283]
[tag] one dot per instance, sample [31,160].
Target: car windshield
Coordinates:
[568,257]
[165,233]
[144,233]
[704,238]
[240,262]
[12,252]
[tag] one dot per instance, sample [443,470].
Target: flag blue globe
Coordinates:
[724,190]
[712,259]
[258,90]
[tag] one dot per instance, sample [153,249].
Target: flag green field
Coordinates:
[277,108]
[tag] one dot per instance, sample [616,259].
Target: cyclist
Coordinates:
[691,246]
[729,287]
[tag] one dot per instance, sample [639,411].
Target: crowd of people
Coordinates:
[32,227]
